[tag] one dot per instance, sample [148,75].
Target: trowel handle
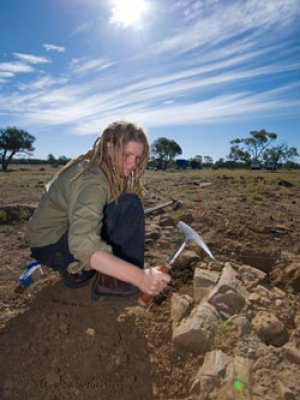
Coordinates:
[145,298]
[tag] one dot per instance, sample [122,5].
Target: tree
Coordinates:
[52,160]
[236,154]
[208,161]
[165,150]
[254,146]
[13,141]
[280,153]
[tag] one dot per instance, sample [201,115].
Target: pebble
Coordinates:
[90,331]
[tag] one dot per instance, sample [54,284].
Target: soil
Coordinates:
[56,343]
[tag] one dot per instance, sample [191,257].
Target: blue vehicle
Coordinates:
[181,164]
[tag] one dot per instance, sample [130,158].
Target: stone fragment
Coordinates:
[154,235]
[285,392]
[203,282]
[292,354]
[194,332]
[215,266]
[90,331]
[229,295]
[278,293]
[180,305]
[269,329]
[256,299]
[166,221]
[292,273]
[242,324]
[251,276]
[211,372]
[238,374]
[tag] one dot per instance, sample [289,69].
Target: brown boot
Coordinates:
[106,287]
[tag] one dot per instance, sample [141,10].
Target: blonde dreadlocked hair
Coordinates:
[118,134]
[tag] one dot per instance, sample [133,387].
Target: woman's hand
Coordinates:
[153,281]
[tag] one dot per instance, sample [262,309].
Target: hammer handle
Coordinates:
[146,298]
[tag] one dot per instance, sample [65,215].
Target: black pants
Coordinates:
[123,228]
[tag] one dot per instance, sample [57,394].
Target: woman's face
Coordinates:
[132,155]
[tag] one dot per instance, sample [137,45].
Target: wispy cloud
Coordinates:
[83,28]
[31,59]
[5,74]
[42,83]
[84,66]
[210,24]
[148,100]
[15,67]
[52,47]
[231,70]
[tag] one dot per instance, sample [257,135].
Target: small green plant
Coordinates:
[220,328]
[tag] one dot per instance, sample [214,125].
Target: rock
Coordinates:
[285,392]
[254,298]
[153,235]
[227,303]
[180,305]
[212,371]
[278,293]
[186,217]
[261,296]
[270,329]
[285,183]
[292,273]
[292,354]
[268,358]
[215,266]
[297,321]
[229,295]
[166,221]
[90,331]
[194,332]
[260,259]
[186,258]
[242,324]
[203,282]
[251,276]
[238,374]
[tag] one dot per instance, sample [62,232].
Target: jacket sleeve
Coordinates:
[85,221]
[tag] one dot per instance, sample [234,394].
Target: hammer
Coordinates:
[189,234]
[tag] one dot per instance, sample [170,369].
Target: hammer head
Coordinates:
[190,234]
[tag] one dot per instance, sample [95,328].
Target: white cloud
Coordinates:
[83,28]
[31,59]
[150,101]
[5,74]
[225,79]
[42,83]
[52,47]
[15,67]
[212,25]
[83,66]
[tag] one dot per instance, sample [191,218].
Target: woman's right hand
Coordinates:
[154,281]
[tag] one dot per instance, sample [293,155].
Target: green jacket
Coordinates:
[76,206]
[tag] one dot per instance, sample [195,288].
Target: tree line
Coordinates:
[257,149]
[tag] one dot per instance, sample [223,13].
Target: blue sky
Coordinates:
[199,72]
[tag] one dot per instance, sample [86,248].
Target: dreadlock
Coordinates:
[118,134]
